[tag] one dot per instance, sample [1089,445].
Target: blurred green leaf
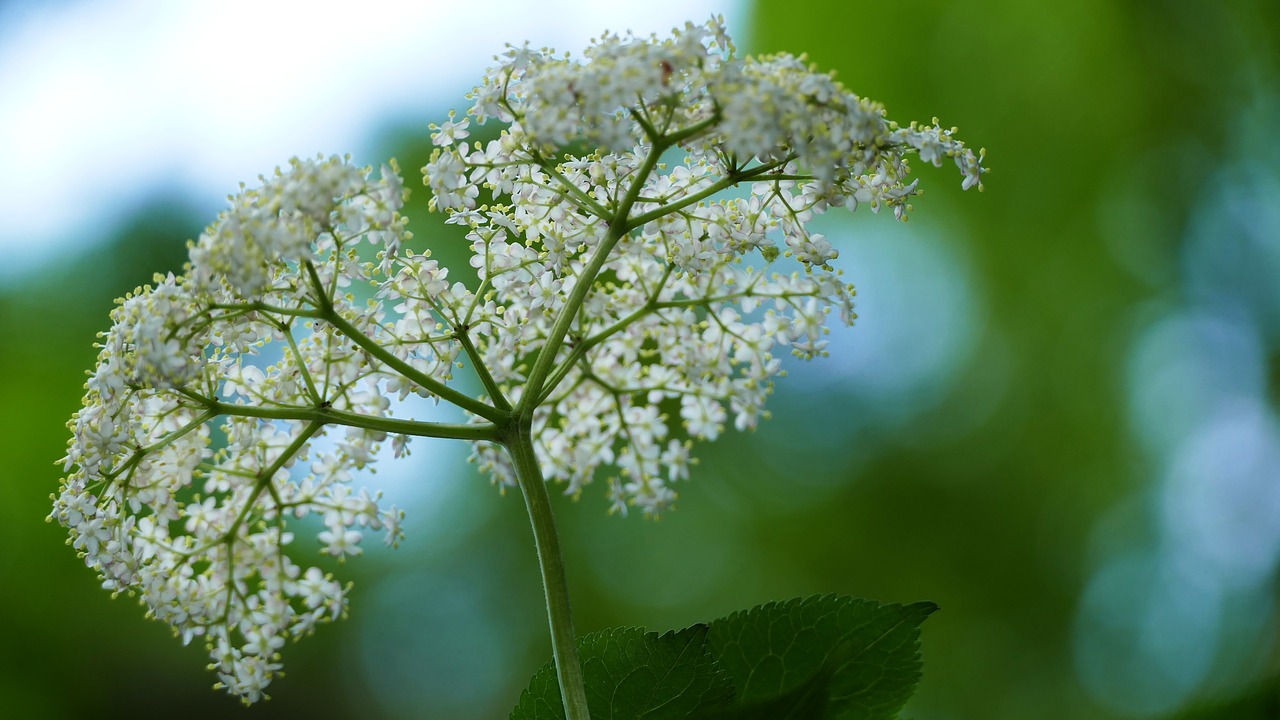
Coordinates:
[631,673]
[825,657]
[810,700]
[829,656]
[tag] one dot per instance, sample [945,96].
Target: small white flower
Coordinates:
[450,132]
[341,542]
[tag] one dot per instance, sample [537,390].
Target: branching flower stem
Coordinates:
[519,441]
[619,226]
[520,444]
[462,400]
[332,416]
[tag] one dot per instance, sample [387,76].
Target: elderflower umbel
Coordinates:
[626,306]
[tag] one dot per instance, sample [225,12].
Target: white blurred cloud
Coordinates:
[101,103]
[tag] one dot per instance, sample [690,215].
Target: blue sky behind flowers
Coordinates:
[102,104]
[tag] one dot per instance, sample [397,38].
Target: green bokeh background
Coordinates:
[996,484]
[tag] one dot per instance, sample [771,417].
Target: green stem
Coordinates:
[327,312]
[482,370]
[465,431]
[618,228]
[584,201]
[723,183]
[466,402]
[580,350]
[564,646]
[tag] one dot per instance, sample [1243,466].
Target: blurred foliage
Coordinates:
[1103,120]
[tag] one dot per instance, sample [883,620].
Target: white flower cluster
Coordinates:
[692,307]
[768,109]
[165,501]
[629,301]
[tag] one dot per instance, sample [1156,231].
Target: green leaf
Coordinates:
[806,701]
[820,658]
[542,699]
[829,657]
[636,675]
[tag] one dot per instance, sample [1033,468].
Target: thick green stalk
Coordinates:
[564,646]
